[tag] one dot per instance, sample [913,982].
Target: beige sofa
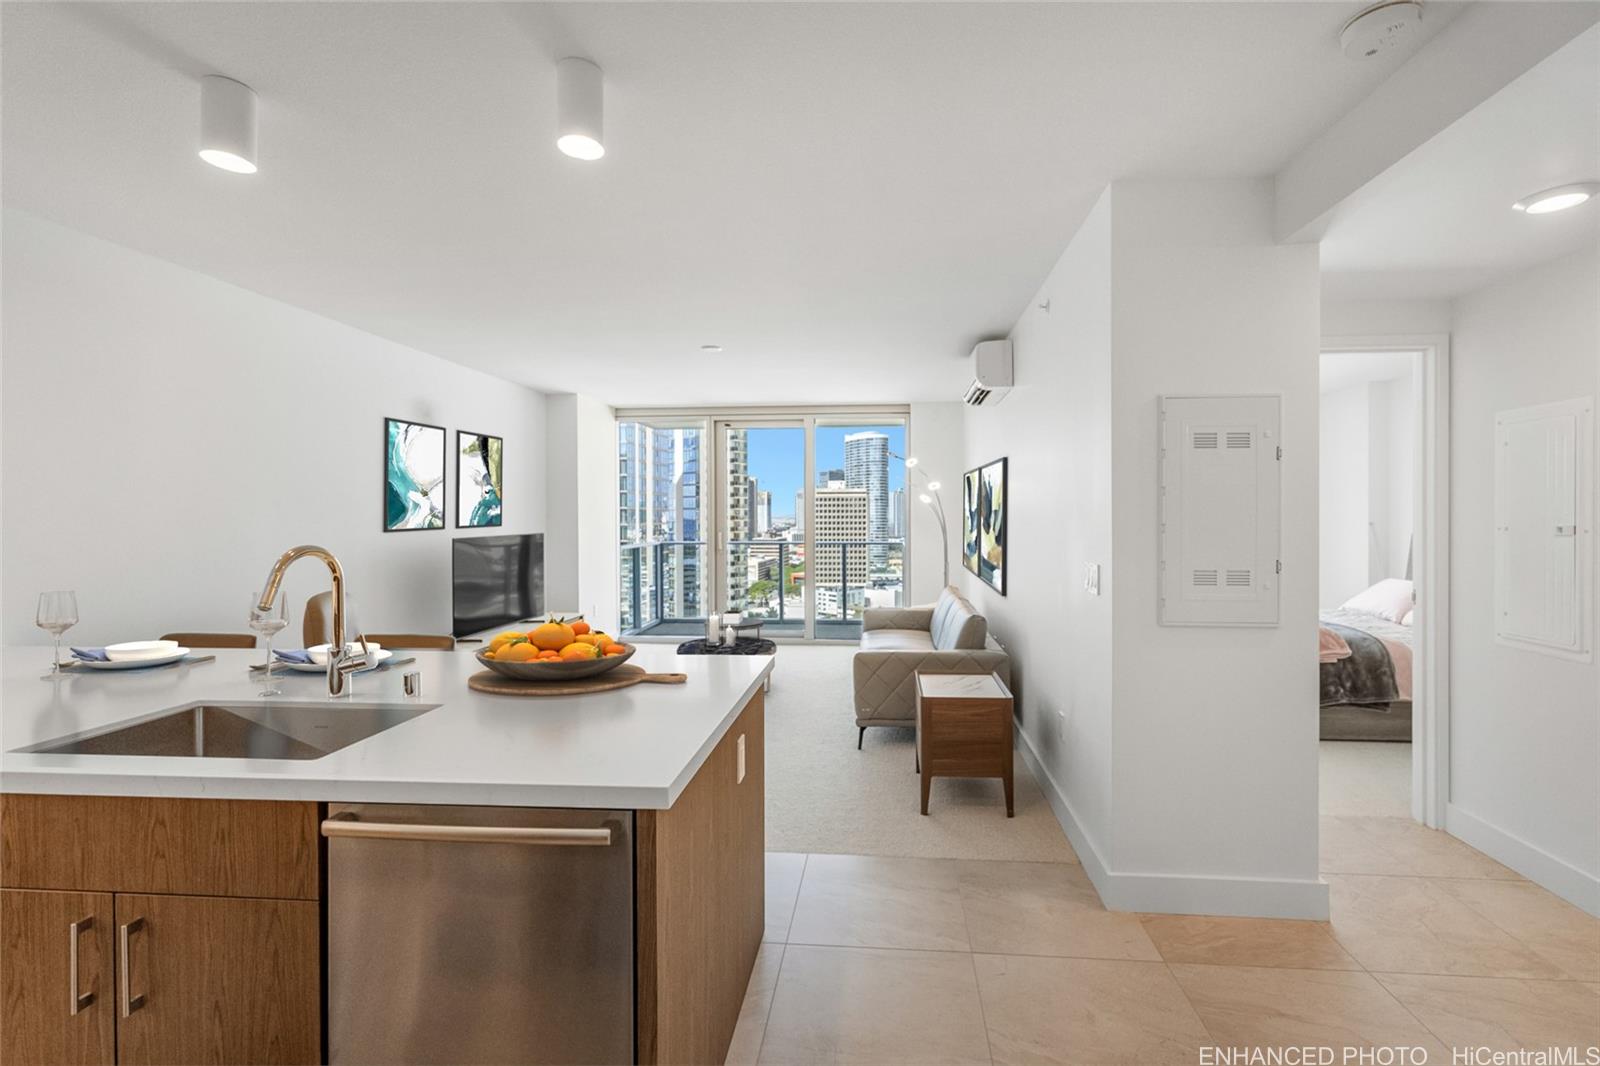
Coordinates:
[896,642]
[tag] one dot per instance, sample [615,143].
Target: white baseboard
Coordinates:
[1088,855]
[1247,897]
[1559,876]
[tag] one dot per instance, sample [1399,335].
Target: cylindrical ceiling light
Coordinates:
[580,106]
[228,124]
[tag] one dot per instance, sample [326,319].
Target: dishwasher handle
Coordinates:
[346,824]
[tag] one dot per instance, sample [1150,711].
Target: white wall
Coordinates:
[1394,440]
[1366,478]
[935,436]
[1367,318]
[1183,761]
[1215,787]
[581,545]
[167,435]
[1055,430]
[1344,501]
[1524,727]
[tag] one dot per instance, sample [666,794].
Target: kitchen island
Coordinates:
[675,773]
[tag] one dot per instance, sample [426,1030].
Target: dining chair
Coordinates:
[317,621]
[426,641]
[212,640]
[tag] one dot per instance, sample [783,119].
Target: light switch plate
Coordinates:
[1091,578]
[739,780]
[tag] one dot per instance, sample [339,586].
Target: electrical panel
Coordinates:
[1220,502]
[1543,527]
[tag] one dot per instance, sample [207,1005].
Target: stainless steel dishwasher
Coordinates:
[479,934]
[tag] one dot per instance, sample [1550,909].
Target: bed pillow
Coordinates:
[1390,598]
[1405,619]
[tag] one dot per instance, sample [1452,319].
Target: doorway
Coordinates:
[1382,579]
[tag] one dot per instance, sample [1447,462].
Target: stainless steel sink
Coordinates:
[265,730]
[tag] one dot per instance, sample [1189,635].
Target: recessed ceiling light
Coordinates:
[580,108]
[228,124]
[1557,199]
[711,347]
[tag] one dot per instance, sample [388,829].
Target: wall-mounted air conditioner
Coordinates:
[991,373]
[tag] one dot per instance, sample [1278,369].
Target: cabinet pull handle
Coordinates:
[80,1000]
[130,1002]
[346,825]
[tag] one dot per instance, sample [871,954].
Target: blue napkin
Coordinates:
[292,655]
[91,655]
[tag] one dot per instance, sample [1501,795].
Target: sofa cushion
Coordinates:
[957,626]
[896,640]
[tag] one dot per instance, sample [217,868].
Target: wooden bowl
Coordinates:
[556,669]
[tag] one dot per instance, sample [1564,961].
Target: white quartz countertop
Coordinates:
[636,747]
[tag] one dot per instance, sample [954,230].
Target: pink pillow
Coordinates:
[1390,598]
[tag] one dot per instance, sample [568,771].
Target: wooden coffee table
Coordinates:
[964,728]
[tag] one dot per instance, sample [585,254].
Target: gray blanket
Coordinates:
[1366,677]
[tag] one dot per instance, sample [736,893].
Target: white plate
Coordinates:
[379,658]
[136,650]
[134,664]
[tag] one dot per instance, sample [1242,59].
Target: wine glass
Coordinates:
[268,623]
[57,613]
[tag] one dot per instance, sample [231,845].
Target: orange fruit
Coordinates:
[580,627]
[502,639]
[614,649]
[576,652]
[552,636]
[516,653]
[549,655]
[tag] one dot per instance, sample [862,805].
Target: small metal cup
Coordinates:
[413,682]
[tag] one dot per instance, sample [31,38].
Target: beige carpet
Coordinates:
[825,796]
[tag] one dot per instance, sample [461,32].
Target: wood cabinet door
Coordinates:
[215,980]
[55,1011]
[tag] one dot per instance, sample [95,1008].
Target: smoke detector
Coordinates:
[1383,27]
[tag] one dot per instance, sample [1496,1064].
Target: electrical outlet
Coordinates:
[739,779]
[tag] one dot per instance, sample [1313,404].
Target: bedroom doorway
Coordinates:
[1380,581]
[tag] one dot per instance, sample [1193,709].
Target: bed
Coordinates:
[1365,667]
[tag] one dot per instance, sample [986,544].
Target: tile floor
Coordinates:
[1432,945]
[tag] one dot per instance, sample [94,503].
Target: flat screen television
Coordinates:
[495,581]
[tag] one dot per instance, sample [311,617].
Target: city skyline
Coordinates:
[776,457]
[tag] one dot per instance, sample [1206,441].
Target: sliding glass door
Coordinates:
[763,569]
[798,521]
[859,501]
[662,550]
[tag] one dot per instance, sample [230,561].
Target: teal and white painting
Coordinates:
[413,475]
[479,487]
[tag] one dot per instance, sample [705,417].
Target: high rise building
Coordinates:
[760,511]
[800,512]
[659,510]
[738,520]
[842,515]
[825,476]
[866,467]
[897,514]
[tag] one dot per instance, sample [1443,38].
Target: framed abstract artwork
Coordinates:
[983,523]
[479,487]
[413,475]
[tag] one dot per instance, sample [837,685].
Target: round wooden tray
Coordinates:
[621,677]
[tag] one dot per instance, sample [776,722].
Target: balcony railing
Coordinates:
[664,583]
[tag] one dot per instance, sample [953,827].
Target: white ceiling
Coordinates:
[1439,222]
[845,196]
[1342,370]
